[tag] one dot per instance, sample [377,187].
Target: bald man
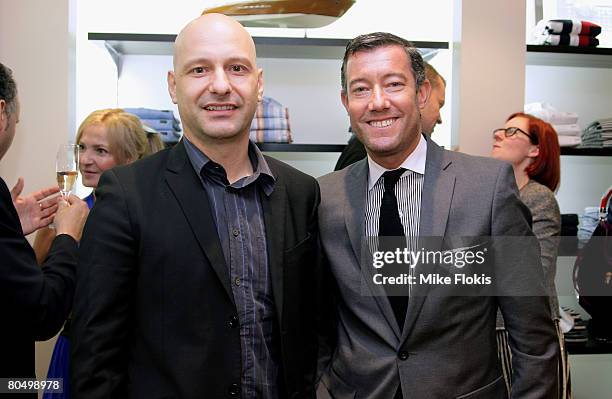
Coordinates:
[197,274]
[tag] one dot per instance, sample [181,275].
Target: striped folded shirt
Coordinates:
[567,40]
[271,136]
[270,124]
[162,124]
[270,108]
[569,26]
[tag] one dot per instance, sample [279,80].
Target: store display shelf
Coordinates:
[267,47]
[602,152]
[567,56]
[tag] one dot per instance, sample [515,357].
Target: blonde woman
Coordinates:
[107,138]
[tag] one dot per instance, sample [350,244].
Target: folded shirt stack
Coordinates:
[566,32]
[588,222]
[271,123]
[598,134]
[564,123]
[163,121]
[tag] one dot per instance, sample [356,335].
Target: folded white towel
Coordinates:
[548,113]
[567,130]
[569,141]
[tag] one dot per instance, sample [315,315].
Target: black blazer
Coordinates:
[34,302]
[154,315]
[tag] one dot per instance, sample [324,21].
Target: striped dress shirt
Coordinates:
[408,192]
[238,215]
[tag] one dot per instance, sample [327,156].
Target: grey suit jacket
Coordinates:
[447,347]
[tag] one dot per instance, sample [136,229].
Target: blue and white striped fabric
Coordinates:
[162,124]
[163,121]
[270,108]
[408,193]
[271,123]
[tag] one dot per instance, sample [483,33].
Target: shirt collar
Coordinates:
[414,162]
[261,172]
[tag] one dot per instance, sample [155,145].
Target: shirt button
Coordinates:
[237,282]
[403,355]
[235,232]
[233,390]
[233,321]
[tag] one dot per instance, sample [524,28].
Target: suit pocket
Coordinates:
[301,254]
[306,241]
[493,390]
[333,387]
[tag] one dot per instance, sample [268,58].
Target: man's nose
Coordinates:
[378,101]
[220,84]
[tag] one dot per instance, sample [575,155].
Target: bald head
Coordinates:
[215,82]
[208,30]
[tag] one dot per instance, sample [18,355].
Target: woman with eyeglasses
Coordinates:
[532,147]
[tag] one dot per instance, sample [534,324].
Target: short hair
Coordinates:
[376,40]
[546,167]
[433,75]
[127,139]
[8,88]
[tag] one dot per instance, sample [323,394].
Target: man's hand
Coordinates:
[35,210]
[71,215]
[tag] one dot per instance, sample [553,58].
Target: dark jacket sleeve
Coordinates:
[103,299]
[523,299]
[36,300]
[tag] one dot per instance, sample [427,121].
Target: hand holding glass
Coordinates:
[66,166]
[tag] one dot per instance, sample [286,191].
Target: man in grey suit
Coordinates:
[422,340]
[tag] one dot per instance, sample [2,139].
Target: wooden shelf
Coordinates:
[282,147]
[600,152]
[267,47]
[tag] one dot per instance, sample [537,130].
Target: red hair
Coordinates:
[546,167]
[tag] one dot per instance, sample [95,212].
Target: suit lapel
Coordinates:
[436,197]
[354,206]
[354,217]
[274,209]
[187,189]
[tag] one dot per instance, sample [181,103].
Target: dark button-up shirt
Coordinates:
[238,215]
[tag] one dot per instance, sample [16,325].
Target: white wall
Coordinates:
[489,59]
[313,99]
[37,42]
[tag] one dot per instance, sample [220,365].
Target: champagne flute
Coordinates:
[66,166]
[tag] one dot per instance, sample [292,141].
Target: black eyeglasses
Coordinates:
[511,131]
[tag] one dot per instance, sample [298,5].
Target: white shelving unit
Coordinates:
[301,73]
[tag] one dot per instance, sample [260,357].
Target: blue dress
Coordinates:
[59,367]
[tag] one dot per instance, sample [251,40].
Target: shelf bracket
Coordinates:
[116,56]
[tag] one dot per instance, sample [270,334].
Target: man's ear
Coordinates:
[3,116]
[423,94]
[260,85]
[172,86]
[344,99]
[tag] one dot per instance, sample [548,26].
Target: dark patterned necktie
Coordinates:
[391,229]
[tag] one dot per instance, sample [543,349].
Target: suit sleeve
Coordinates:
[523,299]
[36,300]
[103,299]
